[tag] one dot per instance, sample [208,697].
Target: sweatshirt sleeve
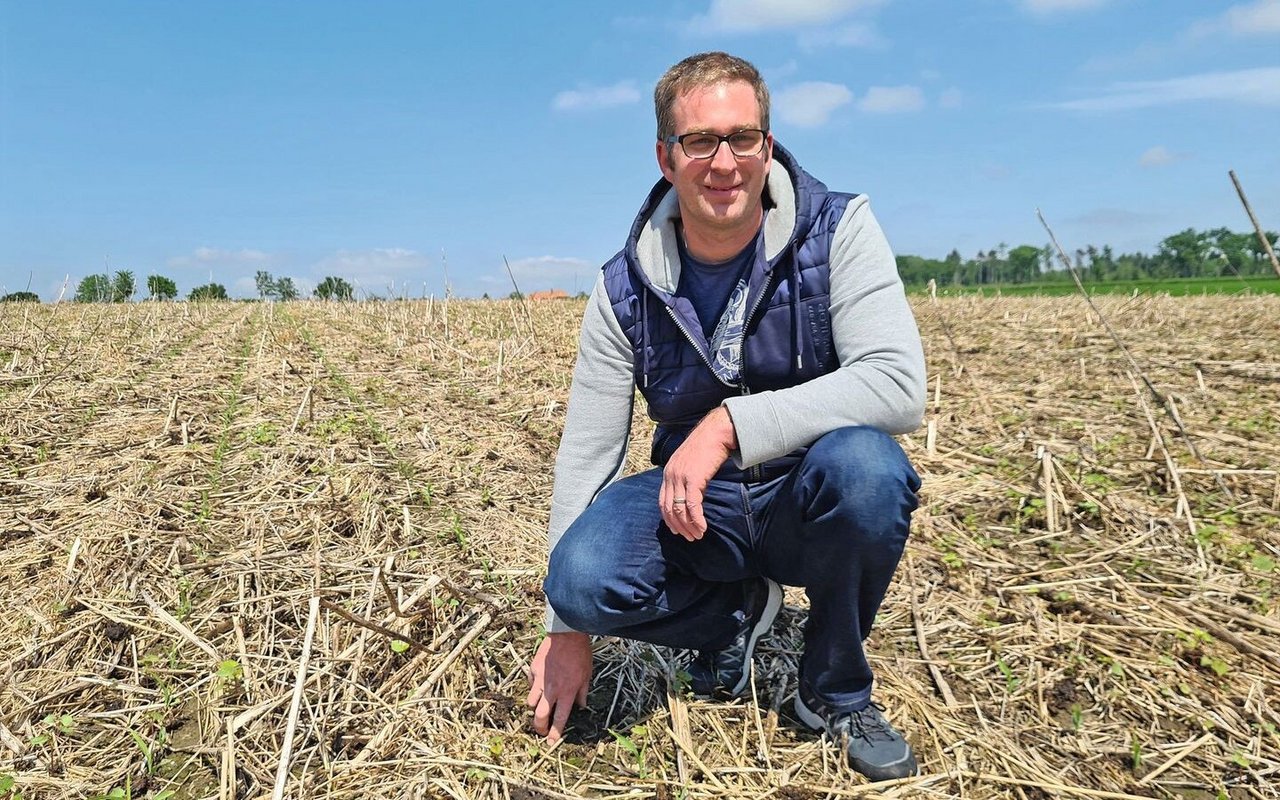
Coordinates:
[881,378]
[593,447]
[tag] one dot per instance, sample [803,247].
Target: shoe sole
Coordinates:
[771,608]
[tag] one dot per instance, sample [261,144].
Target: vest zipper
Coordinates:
[754,474]
[689,337]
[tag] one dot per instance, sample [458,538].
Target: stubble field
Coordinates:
[294,550]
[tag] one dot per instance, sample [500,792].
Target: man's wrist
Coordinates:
[722,422]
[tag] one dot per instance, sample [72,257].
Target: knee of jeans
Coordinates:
[577,587]
[861,473]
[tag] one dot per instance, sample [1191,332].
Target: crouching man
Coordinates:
[762,318]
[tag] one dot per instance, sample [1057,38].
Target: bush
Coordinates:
[161,288]
[332,288]
[94,289]
[210,291]
[101,288]
[20,297]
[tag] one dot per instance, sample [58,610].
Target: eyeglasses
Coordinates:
[699,144]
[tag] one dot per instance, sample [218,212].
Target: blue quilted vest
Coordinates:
[787,337]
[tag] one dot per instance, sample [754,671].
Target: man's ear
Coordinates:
[663,152]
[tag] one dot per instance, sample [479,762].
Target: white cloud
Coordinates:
[856,34]
[1258,18]
[382,270]
[808,105]
[1256,87]
[1262,16]
[1055,6]
[891,99]
[1160,156]
[538,273]
[748,16]
[951,98]
[213,256]
[590,98]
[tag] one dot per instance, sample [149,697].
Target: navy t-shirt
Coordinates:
[708,286]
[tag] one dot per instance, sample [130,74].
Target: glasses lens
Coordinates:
[700,146]
[746,143]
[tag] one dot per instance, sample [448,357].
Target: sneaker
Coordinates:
[724,673]
[873,746]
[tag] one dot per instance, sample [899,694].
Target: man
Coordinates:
[762,318]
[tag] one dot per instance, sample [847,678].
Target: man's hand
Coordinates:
[559,677]
[685,477]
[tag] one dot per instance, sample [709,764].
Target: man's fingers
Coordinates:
[541,716]
[559,717]
[676,515]
[693,515]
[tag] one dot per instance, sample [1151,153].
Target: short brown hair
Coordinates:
[700,71]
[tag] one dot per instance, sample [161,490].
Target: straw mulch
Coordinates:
[295,550]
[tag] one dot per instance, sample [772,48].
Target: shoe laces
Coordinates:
[866,723]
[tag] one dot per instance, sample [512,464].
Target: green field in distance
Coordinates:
[1170,286]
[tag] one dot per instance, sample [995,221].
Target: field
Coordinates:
[295,550]
[1177,287]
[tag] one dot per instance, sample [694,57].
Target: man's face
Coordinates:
[719,195]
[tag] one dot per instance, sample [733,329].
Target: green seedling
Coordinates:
[1216,664]
[629,744]
[1010,680]
[9,788]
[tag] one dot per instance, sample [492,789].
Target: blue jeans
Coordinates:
[836,524]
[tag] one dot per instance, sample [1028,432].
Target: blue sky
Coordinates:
[390,142]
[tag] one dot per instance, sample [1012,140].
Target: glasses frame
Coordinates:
[679,138]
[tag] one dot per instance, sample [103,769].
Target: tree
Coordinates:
[265,283]
[285,290]
[332,288]
[210,291]
[123,287]
[20,297]
[94,289]
[161,288]
[1184,253]
[1024,263]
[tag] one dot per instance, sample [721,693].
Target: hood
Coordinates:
[790,196]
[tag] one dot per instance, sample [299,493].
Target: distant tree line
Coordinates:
[1188,254]
[120,288]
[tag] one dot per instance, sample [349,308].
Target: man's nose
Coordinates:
[723,159]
